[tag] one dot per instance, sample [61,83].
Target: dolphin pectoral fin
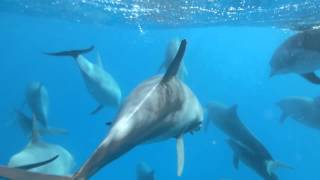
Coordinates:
[19,174]
[72,53]
[98,109]
[236,161]
[175,64]
[180,155]
[35,165]
[274,165]
[99,60]
[311,77]
[283,117]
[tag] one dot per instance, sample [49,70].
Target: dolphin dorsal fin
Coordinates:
[99,60]
[180,155]
[175,64]
[232,111]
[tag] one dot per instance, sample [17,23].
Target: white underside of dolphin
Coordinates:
[40,151]
[100,84]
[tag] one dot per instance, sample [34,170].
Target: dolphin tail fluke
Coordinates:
[274,165]
[53,131]
[311,77]
[175,64]
[35,165]
[19,174]
[98,109]
[180,155]
[72,53]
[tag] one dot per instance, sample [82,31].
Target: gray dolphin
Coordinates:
[251,158]
[160,108]
[171,51]
[300,54]
[144,172]
[226,119]
[302,109]
[100,84]
[38,151]
[38,100]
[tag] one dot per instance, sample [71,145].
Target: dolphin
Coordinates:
[299,54]
[144,172]
[302,109]
[251,158]
[38,100]
[160,108]
[100,84]
[171,51]
[38,151]
[226,119]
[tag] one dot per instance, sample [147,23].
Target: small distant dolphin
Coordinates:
[299,54]
[100,84]
[38,151]
[160,108]
[302,109]
[172,50]
[38,100]
[227,120]
[251,158]
[144,172]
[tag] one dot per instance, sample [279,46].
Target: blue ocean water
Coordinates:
[225,63]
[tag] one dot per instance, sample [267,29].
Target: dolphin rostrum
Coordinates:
[160,108]
[144,172]
[300,54]
[226,119]
[302,109]
[100,84]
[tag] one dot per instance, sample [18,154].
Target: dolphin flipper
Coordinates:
[35,165]
[180,155]
[98,109]
[72,53]
[175,64]
[311,77]
[236,161]
[283,117]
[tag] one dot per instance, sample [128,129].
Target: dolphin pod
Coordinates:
[100,84]
[300,54]
[160,108]
[245,145]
